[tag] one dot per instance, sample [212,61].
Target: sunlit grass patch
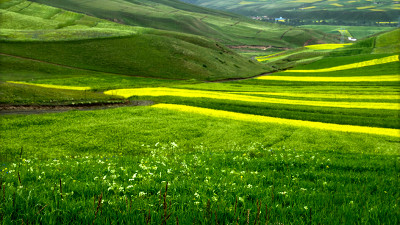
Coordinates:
[52,86]
[245,98]
[381,78]
[290,122]
[326,46]
[337,4]
[389,59]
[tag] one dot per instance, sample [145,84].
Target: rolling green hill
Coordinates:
[173,15]
[356,11]
[52,35]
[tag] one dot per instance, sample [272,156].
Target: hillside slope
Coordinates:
[338,10]
[48,34]
[173,15]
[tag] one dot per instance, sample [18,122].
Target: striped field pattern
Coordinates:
[389,59]
[265,119]
[244,98]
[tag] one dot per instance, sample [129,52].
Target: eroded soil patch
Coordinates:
[38,109]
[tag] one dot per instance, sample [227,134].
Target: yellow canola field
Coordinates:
[51,86]
[161,91]
[389,59]
[266,57]
[326,46]
[333,79]
[366,7]
[334,96]
[289,122]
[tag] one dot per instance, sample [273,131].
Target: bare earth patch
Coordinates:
[38,109]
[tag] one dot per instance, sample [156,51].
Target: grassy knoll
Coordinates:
[216,169]
[147,55]
[49,34]
[177,16]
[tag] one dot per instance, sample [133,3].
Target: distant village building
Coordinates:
[352,39]
[280,19]
[260,17]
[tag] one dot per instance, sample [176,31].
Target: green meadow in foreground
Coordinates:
[113,166]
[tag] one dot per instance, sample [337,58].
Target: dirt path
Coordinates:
[39,109]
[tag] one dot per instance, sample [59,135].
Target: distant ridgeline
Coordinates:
[297,12]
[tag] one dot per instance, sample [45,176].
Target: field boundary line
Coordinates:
[290,122]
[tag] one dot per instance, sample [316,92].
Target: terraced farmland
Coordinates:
[160,127]
[212,146]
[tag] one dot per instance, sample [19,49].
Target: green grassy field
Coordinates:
[322,150]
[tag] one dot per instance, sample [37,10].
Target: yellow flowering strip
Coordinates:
[333,79]
[289,122]
[245,98]
[366,7]
[266,59]
[336,4]
[326,46]
[52,86]
[311,7]
[334,96]
[266,56]
[389,59]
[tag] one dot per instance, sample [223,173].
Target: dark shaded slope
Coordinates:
[154,54]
